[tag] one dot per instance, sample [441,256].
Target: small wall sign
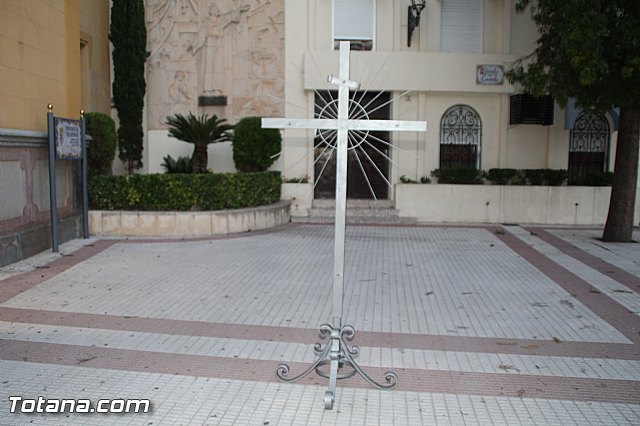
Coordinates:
[490,74]
[67,137]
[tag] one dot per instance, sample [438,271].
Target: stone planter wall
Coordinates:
[186,224]
[553,205]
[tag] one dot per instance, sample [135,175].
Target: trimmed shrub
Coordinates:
[464,176]
[549,177]
[102,149]
[505,176]
[184,192]
[255,148]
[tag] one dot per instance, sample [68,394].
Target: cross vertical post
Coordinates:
[341,183]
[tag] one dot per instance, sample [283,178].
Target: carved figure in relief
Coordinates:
[179,91]
[179,100]
[218,47]
[163,16]
[171,27]
[209,46]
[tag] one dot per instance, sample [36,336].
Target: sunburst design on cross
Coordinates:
[336,353]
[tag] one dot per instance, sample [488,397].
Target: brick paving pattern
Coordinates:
[484,325]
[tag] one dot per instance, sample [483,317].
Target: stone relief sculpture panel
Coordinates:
[215,48]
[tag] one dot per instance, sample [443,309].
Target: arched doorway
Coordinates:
[460,138]
[367,158]
[588,146]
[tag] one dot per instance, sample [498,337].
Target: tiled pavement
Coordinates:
[484,325]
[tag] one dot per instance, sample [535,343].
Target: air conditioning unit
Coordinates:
[529,109]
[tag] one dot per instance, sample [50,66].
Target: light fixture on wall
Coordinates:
[414,17]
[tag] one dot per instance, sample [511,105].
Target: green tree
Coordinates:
[128,35]
[200,131]
[255,148]
[590,50]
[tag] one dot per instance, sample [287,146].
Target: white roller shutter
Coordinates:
[353,19]
[461,26]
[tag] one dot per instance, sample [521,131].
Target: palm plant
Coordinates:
[200,131]
[176,165]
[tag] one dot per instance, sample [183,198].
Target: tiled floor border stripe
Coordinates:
[309,336]
[606,308]
[620,275]
[603,306]
[412,380]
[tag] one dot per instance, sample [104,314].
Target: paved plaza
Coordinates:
[483,325]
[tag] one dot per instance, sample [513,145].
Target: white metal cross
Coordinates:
[342,124]
[337,354]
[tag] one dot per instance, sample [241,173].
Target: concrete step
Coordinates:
[357,220]
[375,204]
[355,212]
[358,212]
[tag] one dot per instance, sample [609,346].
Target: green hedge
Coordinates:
[550,177]
[547,177]
[458,176]
[505,176]
[184,192]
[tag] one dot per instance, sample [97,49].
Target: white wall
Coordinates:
[160,145]
[553,205]
[436,80]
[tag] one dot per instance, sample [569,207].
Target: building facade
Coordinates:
[271,58]
[450,73]
[53,52]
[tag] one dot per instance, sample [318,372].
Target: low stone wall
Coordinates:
[186,224]
[557,205]
[24,195]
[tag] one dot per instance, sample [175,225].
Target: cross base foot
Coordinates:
[340,360]
[329,399]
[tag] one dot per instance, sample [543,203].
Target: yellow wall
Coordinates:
[40,61]
[94,30]
[72,58]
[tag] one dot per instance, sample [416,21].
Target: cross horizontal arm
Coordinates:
[299,123]
[333,124]
[387,125]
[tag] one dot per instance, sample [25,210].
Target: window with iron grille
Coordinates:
[460,138]
[529,109]
[354,21]
[588,146]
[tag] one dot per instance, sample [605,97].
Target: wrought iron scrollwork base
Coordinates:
[340,360]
